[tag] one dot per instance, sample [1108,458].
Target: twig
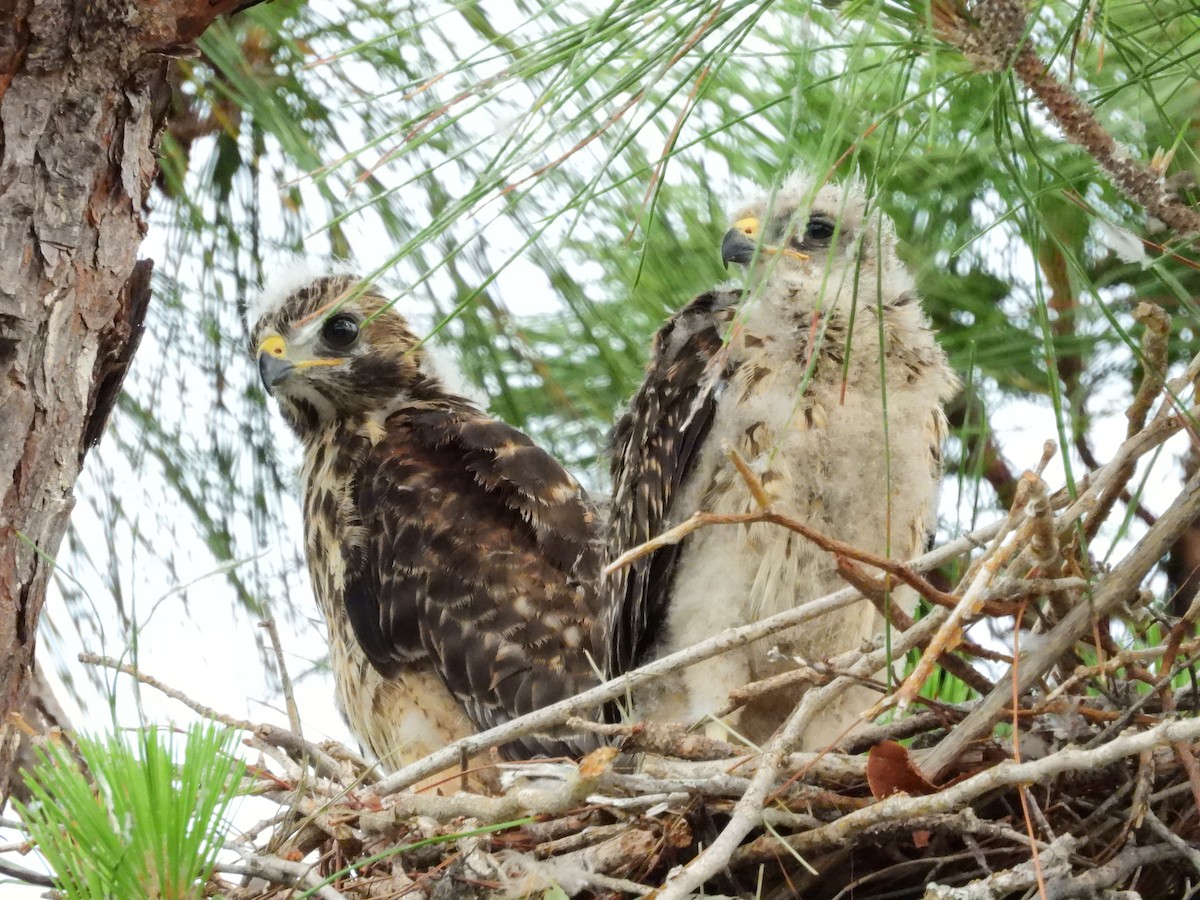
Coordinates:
[1186,850]
[1164,426]
[908,726]
[876,590]
[1017,589]
[12,870]
[280,871]
[543,796]
[295,745]
[699,520]
[1008,881]
[663,738]
[1125,578]
[94,659]
[285,682]
[1113,663]
[959,668]
[1088,456]
[900,807]
[753,482]
[966,607]
[1155,359]
[1112,873]
[298,749]
[836,768]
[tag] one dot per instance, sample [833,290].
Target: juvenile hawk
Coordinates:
[788,373]
[453,560]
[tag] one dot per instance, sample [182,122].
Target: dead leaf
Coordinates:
[890,770]
[597,762]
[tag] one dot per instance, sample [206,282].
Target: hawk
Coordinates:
[824,374]
[454,561]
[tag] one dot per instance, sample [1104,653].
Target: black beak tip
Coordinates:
[736,247]
[273,370]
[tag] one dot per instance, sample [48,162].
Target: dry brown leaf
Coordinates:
[890,770]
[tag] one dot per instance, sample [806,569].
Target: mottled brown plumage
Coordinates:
[824,375]
[654,444]
[453,559]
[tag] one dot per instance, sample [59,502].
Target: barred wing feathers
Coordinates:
[477,556]
[656,444]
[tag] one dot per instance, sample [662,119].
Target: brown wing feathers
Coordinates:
[653,451]
[477,547]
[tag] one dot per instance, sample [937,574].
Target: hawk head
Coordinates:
[821,240]
[334,351]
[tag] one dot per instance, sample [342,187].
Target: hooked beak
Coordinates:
[273,370]
[738,244]
[273,365]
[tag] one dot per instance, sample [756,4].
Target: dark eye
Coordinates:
[819,229]
[340,332]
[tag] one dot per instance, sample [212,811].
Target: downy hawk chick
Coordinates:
[453,560]
[787,372]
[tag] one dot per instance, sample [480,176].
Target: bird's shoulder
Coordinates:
[432,460]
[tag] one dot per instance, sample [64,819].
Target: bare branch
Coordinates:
[285,681]
[280,871]
[958,796]
[1116,587]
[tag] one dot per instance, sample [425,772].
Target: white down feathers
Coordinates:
[827,453]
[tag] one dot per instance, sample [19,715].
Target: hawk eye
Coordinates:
[819,229]
[340,332]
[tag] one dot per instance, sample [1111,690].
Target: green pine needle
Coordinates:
[143,818]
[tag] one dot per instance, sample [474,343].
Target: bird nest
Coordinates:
[1099,793]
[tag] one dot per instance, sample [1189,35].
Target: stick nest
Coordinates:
[922,798]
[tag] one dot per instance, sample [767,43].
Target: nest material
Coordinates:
[1100,795]
[1122,814]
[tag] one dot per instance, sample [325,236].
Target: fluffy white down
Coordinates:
[289,275]
[441,363]
[836,463]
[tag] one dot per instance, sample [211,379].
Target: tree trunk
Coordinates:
[83,96]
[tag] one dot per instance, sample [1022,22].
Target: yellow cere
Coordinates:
[273,345]
[277,347]
[747,226]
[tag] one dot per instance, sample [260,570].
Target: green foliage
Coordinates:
[143,818]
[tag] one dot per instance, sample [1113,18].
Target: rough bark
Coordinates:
[83,95]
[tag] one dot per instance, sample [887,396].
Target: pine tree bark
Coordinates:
[83,97]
